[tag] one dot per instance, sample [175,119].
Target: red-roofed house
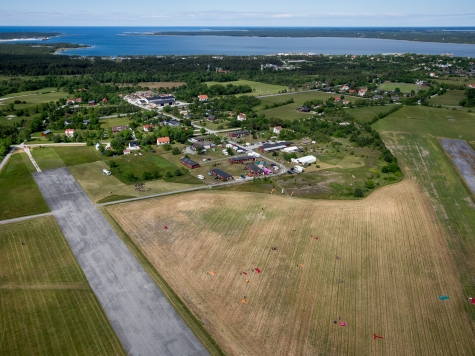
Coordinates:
[203,97]
[69,132]
[471,86]
[241,117]
[361,92]
[277,129]
[337,99]
[352,91]
[147,127]
[163,140]
[104,100]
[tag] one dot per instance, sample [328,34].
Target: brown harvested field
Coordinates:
[394,263]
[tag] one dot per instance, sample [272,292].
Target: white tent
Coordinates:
[306,160]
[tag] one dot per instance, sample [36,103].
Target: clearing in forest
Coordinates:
[272,275]
[48,308]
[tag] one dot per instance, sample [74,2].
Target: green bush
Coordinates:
[358,193]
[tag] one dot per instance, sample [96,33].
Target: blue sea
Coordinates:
[117,41]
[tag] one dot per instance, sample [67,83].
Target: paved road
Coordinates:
[141,316]
[23,218]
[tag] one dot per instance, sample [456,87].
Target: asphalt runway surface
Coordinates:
[141,316]
[463,156]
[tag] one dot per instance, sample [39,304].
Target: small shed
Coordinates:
[46,132]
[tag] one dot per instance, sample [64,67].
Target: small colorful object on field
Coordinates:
[443,297]
[377,337]
[212,273]
[257,270]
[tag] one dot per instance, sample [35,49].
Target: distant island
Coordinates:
[11,36]
[444,35]
[37,48]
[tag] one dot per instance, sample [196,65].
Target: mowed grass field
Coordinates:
[156,85]
[56,157]
[257,87]
[47,305]
[34,97]
[438,122]
[366,113]
[393,263]
[424,161]
[404,87]
[102,188]
[20,195]
[450,98]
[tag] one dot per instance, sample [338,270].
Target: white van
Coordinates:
[106,172]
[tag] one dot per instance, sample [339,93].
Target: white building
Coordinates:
[290,149]
[305,160]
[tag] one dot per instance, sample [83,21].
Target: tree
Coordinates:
[175,151]
[167,147]
[202,131]
[168,174]
[178,172]
[117,144]
[369,184]
[358,193]
[112,164]
[230,151]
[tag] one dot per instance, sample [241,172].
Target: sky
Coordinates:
[211,13]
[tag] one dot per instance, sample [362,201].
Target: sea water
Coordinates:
[117,41]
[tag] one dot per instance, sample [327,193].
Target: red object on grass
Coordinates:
[244,273]
[165,227]
[377,337]
[316,238]
[473,300]
[342,323]
[257,270]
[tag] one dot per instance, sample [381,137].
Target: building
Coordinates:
[212,118]
[116,129]
[277,130]
[304,109]
[104,101]
[134,145]
[162,100]
[86,122]
[269,147]
[362,92]
[189,163]
[69,132]
[148,127]
[221,174]
[126,152]
[203,97]
[290,149]
[305,160]
[163,140]
[241,117]
[241,159]
[46,132]
[242,133]
[91,102]
[254,170]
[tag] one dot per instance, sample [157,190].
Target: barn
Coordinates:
[241,159]
[221,174]
[189,163]
[269,147]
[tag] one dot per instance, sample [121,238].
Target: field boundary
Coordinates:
[185,313]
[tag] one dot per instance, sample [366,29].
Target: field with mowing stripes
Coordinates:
[47,305]
[379,265]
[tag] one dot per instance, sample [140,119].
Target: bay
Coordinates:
[123,41]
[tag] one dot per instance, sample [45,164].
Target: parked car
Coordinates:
[243,176]
[201,177]
[290,172]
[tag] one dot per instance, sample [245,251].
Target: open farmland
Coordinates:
[450,98]
[257,88]
[438,122]
[156,85]
[19,193]
[424,160]
[367,113]
[378,266]
[47,305]
[404,87]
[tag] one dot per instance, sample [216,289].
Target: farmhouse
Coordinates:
[277,129]
[242,133]
[362,92]
[116,129]
[304,109]
[241,159]
[126,152]
[148,127]
[104,101]
[221,174]
[254,170]
[189,163]
[172,123]
[269,147]
[241,117]
[91,102]
[69,132]
[162,100]
[212,118]
[163,140]
[203,97]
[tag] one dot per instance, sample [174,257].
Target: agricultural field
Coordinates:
[20,196]
[114,121]
[450,98]
[452,80]
[48,307]
[367,113]
[378,266]
[438,122]
[101,188]
[44,95]
[425,162]
[257,88]
[335,175]
[404,87]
